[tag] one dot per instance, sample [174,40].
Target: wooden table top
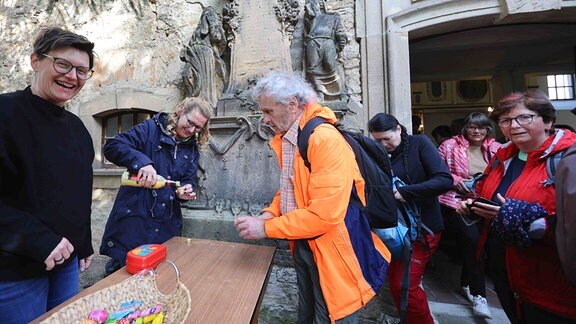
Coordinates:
[226,280]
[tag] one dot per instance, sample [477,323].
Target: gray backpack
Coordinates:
[565,182]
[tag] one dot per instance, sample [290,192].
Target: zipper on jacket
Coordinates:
[171,206]
[518,304]
[154,194]
[175,150]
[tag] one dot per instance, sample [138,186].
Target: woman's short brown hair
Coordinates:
[532,99]
[55,38]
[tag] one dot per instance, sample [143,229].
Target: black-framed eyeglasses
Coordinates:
[63,66]
[524,119]
[191,124]
[477,128]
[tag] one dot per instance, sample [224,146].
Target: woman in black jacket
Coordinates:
[46,156]
[416,161]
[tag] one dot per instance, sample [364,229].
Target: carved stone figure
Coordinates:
[219,206]
[325,38]
[231,20]
[205,73]
[287,12]
[255,209]
[236,207]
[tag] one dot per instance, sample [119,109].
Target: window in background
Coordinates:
[560,86]
[115,124]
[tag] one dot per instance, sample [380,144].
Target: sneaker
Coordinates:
[467,294]
[480,307]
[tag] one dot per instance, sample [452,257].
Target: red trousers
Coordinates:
[417,311]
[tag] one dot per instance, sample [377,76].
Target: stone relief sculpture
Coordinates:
[236,207]
[248,127]
[287,12]
[324,40]
[205,73]
[255,208]
[231,20]
[219,206]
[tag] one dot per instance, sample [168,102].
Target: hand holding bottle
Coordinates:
[147,179]
[147,176]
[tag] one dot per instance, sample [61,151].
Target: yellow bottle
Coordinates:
[132,180]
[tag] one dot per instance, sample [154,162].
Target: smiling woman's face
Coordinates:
[475,134]
[55,87]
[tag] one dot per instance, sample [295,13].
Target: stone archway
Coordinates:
[121,99]
[425,19]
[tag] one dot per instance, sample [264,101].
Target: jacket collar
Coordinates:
[161,121]
[556,142]
[313,110]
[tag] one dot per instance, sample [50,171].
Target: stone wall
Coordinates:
[137,41]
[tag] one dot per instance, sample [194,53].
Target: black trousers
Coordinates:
[311,305]
[467,237]
[496,265]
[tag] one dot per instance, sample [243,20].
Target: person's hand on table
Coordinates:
[250,228]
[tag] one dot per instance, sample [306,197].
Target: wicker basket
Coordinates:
[138,287]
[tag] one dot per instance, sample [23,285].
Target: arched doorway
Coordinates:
[445,43]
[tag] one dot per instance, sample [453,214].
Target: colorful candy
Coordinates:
[150,319]
[128,313]
[130,304]
[159,319]
[146,312]
[98,315]
[122,313]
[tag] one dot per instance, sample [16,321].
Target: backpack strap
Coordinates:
[552,164]
[304,136]
[551,167]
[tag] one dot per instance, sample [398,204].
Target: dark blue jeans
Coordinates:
[24,300]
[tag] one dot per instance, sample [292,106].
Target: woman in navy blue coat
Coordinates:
[166,145]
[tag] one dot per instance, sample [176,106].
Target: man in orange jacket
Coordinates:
[340,264]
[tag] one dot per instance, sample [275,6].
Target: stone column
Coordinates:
[398,52]
[370,29]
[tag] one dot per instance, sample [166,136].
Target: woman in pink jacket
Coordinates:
[467,155]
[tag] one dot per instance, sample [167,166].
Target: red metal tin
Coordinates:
[146,256]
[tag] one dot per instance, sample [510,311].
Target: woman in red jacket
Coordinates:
[522,257]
